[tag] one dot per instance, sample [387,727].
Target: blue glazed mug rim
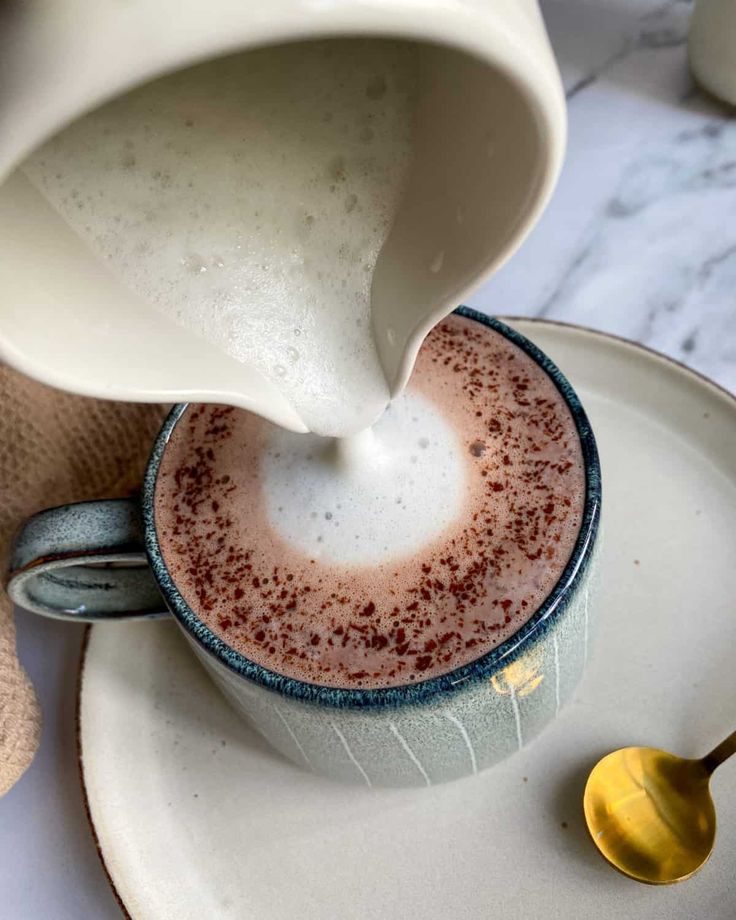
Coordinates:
[482,668]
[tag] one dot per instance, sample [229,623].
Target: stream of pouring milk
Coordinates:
[248,199]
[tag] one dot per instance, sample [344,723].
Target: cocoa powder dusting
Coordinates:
[411,618]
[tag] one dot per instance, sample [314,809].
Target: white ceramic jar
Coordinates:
[712,47]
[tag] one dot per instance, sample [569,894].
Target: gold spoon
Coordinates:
[650,813]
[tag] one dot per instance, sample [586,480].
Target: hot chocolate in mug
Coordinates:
[441,717]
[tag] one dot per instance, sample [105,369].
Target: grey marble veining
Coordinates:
[640,236]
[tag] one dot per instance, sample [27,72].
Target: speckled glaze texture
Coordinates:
[85,562]
[437,730]
[67,561]
[457,732]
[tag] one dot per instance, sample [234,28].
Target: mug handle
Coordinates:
[85,562]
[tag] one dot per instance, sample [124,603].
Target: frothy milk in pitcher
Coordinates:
[248,198]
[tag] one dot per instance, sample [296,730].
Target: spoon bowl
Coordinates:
[650,814]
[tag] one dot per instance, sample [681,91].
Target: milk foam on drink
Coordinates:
[248,198]
[379,495]
[372,575]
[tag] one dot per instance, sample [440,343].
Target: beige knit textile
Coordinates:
[54,448]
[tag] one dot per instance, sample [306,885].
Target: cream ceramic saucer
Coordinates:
[197,818]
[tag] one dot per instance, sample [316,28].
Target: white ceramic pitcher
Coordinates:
[65,320]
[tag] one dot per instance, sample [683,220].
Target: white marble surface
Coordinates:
[639,239]
[640,236]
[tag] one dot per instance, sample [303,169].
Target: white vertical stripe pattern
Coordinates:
[466,738]
[412,756]
[293,737]
[517,716]
[350,753]
[556,648]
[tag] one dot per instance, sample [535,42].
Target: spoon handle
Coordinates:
[721,752]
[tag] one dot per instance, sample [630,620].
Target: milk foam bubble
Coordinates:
[248,199]
[381,495]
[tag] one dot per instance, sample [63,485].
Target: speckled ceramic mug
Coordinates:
[101,560]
